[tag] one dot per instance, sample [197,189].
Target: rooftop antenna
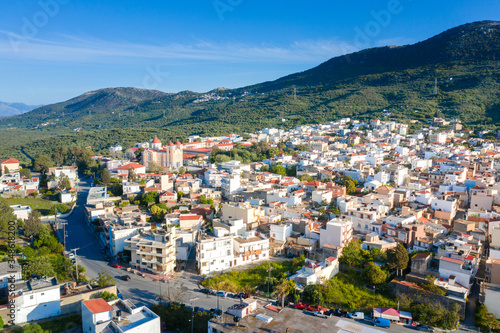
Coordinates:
[435,86]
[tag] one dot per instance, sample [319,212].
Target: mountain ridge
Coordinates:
[401,80]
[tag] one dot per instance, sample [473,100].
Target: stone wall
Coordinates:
[418,294]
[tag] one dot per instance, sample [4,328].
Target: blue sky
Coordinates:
[53,50]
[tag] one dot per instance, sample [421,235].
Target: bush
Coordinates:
[107,296]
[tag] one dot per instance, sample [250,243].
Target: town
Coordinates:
[343,225]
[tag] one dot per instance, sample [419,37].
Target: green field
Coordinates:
[42,205]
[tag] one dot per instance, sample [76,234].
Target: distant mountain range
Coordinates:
[12,109]
[454,74]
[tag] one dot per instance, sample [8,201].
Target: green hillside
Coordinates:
[464,61]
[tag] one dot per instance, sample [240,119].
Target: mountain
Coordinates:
[11,109]
[453,74]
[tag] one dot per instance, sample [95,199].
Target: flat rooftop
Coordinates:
[298,322]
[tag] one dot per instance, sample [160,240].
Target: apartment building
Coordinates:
[214,253]
[249,249]
[153,251]
[337,232]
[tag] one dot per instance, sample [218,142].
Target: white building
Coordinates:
[214,254]
[36,299]
[315,272]
[118,316]
[457,268]
[338,232]
[21,212]
[230,184]
[279,232]
[249,249]
[9,273]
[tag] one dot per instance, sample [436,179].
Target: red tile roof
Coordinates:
[131,166]
[9,161]
[456,261]
[98,305]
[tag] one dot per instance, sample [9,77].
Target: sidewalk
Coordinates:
[154,277]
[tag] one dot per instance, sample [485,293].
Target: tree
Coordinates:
[38,266]
[42,163]
[64,182]
[33,224]
[104,279]
[132,176]
[33,328]
[25,173]
[284,289]
[373,274]
[105,176]
[107,296]
[6,216]
[154,167]
[182,170]
[351,254]
[485,319]
[158,212]
[397,258]
[6,170]
[279,169]
[350,186]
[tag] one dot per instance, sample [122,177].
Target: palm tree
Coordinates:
[286,287]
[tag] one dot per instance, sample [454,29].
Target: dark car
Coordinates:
[425,328]
[125,277]
[339,313]
[205,291]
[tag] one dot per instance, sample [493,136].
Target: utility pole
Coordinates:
[76,263]
[435,86]
[269,281]
[193,300]
[373,313]
[55,216]
[294,93]
[64,234]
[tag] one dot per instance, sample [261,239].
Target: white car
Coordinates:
[71,255]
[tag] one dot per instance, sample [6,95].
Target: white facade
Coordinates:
[250,249]
[37,299]
[279,232]
[338,232]
[230,184]
[21,212]
[118,236]
[214,254]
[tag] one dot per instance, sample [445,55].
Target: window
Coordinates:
[138,261]
[31,297]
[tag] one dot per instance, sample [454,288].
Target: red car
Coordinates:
[301,306]
[116,265]
[315,308]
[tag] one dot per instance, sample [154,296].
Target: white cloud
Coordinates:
[89,50]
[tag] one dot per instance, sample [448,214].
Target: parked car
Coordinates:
[340,313]
[71,255]
[205,290]
[357,315]
[125,277]
[301,306]
[316,308]
[116,265]
[322,314]
[382,322]
[221,293]
[425,328]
